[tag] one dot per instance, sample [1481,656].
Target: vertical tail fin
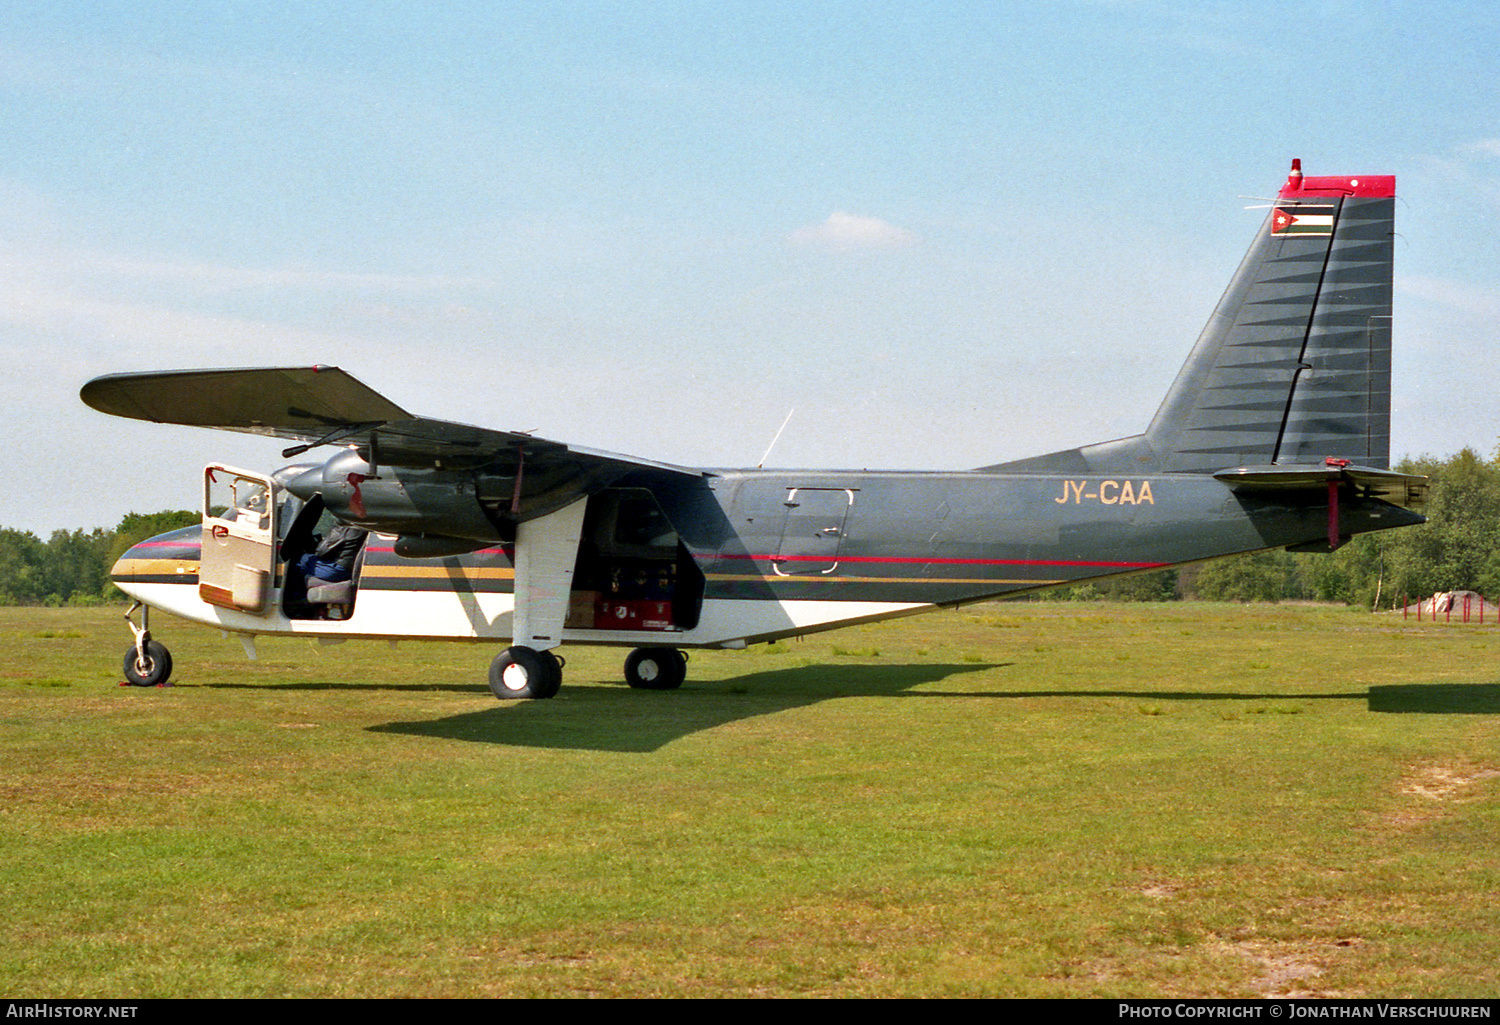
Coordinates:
[1294,366]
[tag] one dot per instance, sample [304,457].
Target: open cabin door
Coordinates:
[238,565]
[633,571]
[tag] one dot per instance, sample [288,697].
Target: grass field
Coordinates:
[1009,800]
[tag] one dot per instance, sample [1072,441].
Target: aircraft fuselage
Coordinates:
[744,556]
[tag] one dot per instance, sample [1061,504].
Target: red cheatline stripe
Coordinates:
[492,549]
[918,560]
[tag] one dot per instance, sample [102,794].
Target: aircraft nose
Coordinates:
[170,558]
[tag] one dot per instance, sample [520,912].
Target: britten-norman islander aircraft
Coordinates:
[1275,434]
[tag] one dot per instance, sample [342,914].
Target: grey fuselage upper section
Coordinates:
[946,538]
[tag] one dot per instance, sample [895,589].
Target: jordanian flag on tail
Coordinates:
[1304,220]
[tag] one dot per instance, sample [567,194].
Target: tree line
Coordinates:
[1457,549]
[72,566]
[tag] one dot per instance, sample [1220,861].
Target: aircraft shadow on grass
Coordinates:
[1429,698]
[608,718]
[1437,698]
[605,718]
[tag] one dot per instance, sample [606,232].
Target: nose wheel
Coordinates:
[521,672]
[656,668]
[147,663]
[151,669]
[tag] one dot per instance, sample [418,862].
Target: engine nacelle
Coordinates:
[399,500]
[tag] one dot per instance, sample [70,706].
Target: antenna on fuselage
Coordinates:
[774,440]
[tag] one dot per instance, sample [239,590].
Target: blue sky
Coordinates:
[945,234]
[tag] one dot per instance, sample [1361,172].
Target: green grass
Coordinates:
[1256,801]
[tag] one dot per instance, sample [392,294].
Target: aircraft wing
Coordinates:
[324,405]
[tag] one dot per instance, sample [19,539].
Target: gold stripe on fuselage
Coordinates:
[370,574]
[155,567]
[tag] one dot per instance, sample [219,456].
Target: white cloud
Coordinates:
[849,231]
[1487,147]
[78,264]
[75,319]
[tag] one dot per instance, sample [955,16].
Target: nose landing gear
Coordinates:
[147,662]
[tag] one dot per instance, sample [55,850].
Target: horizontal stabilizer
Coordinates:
[1403,489]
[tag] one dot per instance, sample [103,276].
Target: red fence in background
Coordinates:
[1450,607]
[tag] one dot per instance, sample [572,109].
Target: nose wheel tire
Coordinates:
[152,670]
[521,672]
[656,668]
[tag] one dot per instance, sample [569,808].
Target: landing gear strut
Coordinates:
[521,672]
[656,668]
[147,663]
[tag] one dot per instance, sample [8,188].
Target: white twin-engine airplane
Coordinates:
[1275,434]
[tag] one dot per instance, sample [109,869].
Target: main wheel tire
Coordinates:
[522,672]
[656,668]
[152,671]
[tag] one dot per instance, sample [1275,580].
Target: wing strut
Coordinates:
[546,550]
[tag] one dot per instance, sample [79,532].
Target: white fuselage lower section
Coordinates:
[463,616]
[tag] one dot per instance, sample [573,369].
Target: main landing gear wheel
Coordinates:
[656,668]
[152,670]
[522,672]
